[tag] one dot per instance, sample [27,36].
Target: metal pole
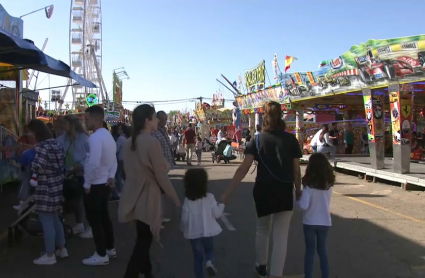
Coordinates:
[34,11]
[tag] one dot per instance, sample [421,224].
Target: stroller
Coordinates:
[208,145]
[179,152]
[28,221]
[218,153]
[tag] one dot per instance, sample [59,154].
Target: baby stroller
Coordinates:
[218,153]
[179,153]
[208,145]
[28,221]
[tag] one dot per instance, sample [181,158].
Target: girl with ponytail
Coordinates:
[146,177]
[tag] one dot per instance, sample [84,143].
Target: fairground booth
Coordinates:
[377,87]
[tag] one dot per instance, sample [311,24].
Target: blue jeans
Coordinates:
[327,149]
[201,246]
[53,233]
[313,233]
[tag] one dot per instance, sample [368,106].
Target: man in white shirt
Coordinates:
[315,140]
[99,172]
[258,130]
[221,135]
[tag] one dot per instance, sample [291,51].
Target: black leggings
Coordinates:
[140,262]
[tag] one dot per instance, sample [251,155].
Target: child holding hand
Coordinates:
[198,224]
[315,200]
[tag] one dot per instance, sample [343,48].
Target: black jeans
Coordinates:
[140,262]
[97,213]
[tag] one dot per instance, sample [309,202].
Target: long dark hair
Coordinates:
[325,130]
[139,117]
[40,130]
[195,184]
[272,118]
[319,173]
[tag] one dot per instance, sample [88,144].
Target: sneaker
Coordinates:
[211,270]
[18,207]
[96,260]
[78,229]
[166,220]
[261,270]
[112,253]
[62,253]
[87,234]
[45,260]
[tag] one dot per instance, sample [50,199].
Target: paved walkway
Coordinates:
[377,232]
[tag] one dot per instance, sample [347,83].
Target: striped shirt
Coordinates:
[161,135]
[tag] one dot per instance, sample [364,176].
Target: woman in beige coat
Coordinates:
[146,179]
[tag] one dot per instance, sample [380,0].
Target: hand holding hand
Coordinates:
[298,193]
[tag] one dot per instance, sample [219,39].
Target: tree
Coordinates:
[173,112]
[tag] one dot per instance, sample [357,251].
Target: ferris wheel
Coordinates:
[85,53]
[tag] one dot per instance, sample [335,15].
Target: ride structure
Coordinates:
[85,53]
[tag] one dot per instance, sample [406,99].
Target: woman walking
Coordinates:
[278,154]
[146,179]
[47,166]
[74,141]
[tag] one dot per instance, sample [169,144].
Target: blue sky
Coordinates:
[177,49]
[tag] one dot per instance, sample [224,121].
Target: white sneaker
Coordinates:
[18,207]
[87,234]
[45,260]
[166,220]
[96,260]
[211,270]
[112,253]
[62,253]
[78,229]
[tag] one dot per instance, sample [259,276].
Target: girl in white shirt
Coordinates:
[199,149]
[198,223]
[315,200]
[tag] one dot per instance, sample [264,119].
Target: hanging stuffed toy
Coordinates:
[33,180]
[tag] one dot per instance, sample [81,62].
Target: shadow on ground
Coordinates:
[357,247]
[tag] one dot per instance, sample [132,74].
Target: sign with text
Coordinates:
[255,76]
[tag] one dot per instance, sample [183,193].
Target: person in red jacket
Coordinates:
[189,139]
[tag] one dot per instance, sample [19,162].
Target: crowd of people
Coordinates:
[131,164]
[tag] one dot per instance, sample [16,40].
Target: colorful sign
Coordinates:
[116,88]
[256,100]
[368,107]
[371,64]
[255,76]
[91,100]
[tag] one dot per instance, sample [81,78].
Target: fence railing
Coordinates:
[9,157]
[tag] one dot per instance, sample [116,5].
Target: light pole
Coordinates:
[47,9]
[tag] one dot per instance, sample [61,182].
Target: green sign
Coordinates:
[91,100]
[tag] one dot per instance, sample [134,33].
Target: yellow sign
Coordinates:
[255,76]
[405,110]
[394,96]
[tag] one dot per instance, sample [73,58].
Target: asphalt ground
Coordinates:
[378,231]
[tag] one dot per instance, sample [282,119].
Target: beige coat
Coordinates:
[146,172]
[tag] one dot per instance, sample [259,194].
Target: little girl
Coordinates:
[199,148]
[315,200]
[198,223]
